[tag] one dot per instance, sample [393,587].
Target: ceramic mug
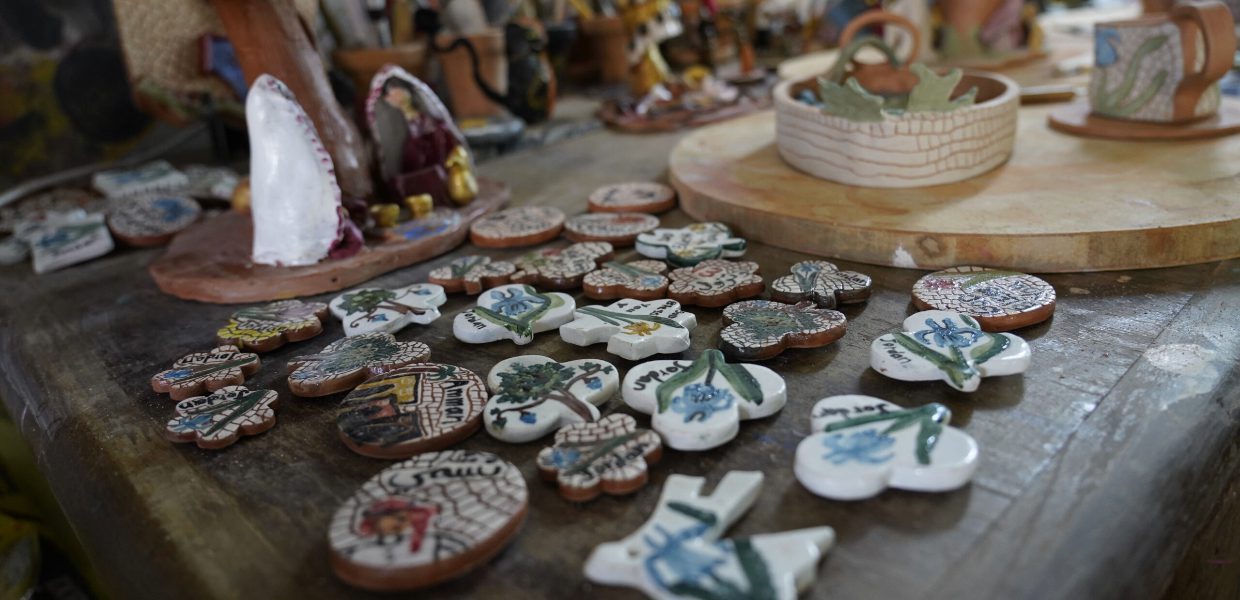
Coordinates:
[1162,67]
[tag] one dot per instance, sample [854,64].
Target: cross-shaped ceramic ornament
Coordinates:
[862,445]
[699,404]
[949,346]
[631,328]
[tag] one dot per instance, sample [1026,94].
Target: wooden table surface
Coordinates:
[1099,466]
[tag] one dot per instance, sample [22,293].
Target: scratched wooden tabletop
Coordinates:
[1100,466]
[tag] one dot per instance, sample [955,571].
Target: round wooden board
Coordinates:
[210,262]
[1061,204]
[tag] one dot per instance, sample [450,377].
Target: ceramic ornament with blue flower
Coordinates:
[512,312]
[949,346]
[863,445]
[220,419]
[200,372]
[699,404]
[65,239]
[638,279]
[678,553]
[369,310]
[532,396]
[631,328]
[611,455]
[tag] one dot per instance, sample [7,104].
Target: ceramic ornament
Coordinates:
[368,310]
[631,328]
[620,228]
[472,274]
[862,445]
[193,374]
[639,196]
[349,361]
[416,408]
[715,283]
[560,268]
[64,241]
[151,178]
[512,312]
[691,245]
[944,345]
[678,553]
[516,227]
[999,300]
[13,250]
[41,206]
[638,280]
[267,327]
[762,329]
[610,455]
[214,183]
[294,198]
[533,395]
[699,404]
[823,283]
[220,419]
[426,520]
[151,220]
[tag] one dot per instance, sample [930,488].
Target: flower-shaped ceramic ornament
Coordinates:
[532,396]
[639,280]
[632,329]
[688,246]
[349,361]
[369,310]
[512,312]
[195,373]
[937,344]
[560,268]
[862,445]
[609,455]
[223,417]
[265,328]
[761,329]
[714,283]
[821,282]
[699,404]
[677,553]
[472,274]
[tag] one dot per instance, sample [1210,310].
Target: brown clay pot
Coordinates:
[607,41]
[465,99]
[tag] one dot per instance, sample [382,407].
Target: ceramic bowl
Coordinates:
[901,151]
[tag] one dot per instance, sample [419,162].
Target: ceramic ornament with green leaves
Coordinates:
[862,445]
[948,346]
[533,396]
[512,312]
[699,404]
[631,328]
[368,310]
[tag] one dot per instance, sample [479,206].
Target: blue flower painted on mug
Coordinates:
[948,334]
[861,446]
[1105,39]
[700,401]
[513,303]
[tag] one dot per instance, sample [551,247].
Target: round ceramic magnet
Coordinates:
[416,408]
[151,220]
[517,227]
[999,300]
[619,228]
[638,196]
[429,519]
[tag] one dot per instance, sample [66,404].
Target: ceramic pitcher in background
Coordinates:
[1163,67]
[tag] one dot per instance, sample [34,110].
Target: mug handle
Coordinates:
[1218,32]
[880,16]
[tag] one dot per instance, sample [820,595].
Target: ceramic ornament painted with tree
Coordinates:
[532,396]
[195,373]
[948,346]
[416,408]
[429,519]
[267,327]
[472,274]
[690,245]
[223,417]
[862,445]
[632,329]
[347,362]
[998,300]
[369,310]
[823,283]
[512,312]
[678,553]
[610,456]
[699,404]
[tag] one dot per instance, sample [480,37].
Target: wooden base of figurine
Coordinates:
[1078,119]
[1060,204]
[754,97]
[210,262]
